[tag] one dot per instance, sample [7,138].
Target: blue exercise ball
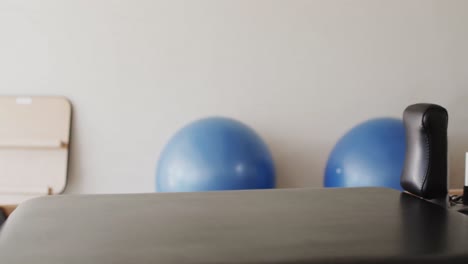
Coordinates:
[370,154]
[215,153]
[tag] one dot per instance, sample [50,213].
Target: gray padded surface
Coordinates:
[361,225]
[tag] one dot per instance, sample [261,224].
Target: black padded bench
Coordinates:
[356,225]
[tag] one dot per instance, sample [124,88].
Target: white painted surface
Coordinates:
[301,73]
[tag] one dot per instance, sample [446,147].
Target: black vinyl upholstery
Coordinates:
[347,225]
[425,170]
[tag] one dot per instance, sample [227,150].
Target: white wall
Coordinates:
[299,72]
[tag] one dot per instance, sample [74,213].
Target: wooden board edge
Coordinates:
[8,209]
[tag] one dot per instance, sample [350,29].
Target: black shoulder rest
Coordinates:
[425,170]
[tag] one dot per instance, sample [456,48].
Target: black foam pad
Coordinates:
[342,225]
[425,170]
